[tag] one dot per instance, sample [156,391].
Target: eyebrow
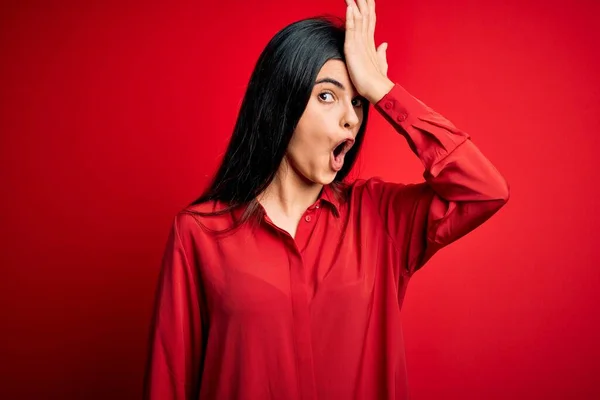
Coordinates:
[331,80]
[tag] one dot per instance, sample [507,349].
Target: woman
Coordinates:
[284,282]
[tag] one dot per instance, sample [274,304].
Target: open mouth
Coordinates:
[343,147]
[339,151]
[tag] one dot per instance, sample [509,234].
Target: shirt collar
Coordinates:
[328,196]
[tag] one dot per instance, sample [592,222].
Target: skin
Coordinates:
[332,114]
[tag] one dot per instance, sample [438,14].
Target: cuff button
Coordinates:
[388,105]
[401,117]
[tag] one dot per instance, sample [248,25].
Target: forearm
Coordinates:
[454,166]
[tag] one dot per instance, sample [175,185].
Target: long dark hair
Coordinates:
[279,90]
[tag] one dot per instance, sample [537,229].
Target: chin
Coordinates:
[316,177]
[328,177]
[320,179]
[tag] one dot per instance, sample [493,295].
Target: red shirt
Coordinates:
[258,314]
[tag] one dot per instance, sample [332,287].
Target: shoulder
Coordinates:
[204,217]
[373,186]
[376,190]
[206,207]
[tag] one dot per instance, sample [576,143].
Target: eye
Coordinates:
[357,102]
[322,94]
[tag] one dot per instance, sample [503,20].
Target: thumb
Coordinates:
[382,57]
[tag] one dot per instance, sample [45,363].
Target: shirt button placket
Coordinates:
[302,327]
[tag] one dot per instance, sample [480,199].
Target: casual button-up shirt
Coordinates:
[258,314]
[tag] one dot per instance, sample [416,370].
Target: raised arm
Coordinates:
[462,188]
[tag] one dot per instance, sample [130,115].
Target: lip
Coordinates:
[337,162]
[348,146]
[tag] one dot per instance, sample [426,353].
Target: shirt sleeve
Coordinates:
[462,188]
[175,346]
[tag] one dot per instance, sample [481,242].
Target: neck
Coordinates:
[289,194]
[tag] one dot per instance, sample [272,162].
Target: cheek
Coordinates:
[312,133]
[312,121]
[309,152]
[307,145]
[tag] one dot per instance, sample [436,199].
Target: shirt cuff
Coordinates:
[431,136]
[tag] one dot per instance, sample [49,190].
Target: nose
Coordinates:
[350,119]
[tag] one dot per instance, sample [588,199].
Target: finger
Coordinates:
[364,12]
[372,21]
[349,18]
[357,18]
[353,4]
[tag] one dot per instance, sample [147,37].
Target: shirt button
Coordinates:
[307,218]
[388,105]
[401,117]
[317,206]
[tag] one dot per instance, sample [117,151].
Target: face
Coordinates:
[328,126]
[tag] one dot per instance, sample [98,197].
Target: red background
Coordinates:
[115,114]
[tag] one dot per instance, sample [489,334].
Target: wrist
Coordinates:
[379,89]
